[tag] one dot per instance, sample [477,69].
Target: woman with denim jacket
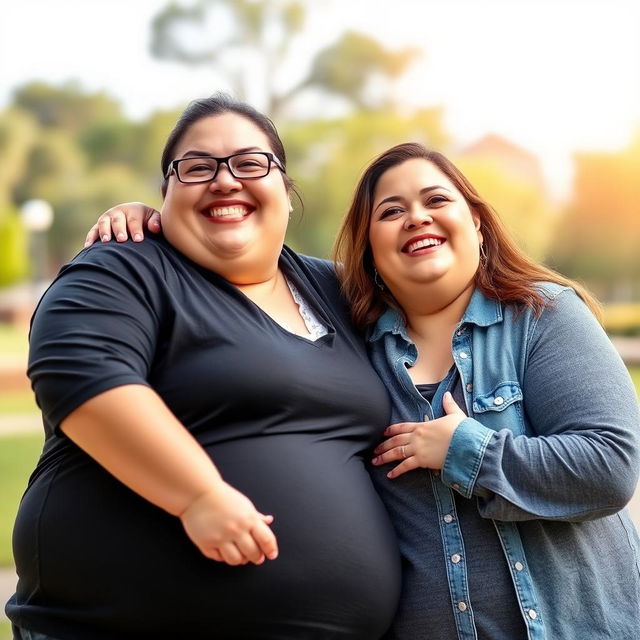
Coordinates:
[515,443]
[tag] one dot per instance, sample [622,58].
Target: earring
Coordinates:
[378,280]
[483,255]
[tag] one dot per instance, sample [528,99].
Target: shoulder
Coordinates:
[562,301]
[320,270]
[319,266]
[154,250]
[150,262]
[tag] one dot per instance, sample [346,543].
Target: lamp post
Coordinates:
[37,217]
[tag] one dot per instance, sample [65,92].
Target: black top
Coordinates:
[286,420]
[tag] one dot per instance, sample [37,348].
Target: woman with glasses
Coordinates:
[207,408]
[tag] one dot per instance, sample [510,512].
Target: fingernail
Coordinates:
[87,244]
[105,238]
[273,555]
[137,237]
[121,236]
[374,461]
[390,474]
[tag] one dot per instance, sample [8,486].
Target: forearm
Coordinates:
[574,476]
[580,456]
[131,433]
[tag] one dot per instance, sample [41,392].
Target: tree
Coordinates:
[68,106]
[599,238]
[327,157]
[250,44]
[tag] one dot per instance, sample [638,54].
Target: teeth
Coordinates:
[227,212]
[425,242]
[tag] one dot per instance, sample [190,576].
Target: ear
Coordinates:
[476,220]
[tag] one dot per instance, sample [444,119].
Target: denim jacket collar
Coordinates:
[481,311]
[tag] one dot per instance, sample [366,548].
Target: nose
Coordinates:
[224,181]
[417,217]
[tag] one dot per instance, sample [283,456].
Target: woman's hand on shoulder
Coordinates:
[225,526]
[420,444]
[124,220]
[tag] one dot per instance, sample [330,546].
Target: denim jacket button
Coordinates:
[455,558]
[455,486]
[532,613]
[518,566]
[462,606]
[464,355]
[448,518]
[498,400]
[469,387]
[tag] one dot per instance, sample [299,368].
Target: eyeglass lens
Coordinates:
[244,165]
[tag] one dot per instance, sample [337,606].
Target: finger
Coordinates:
[153,220]
[231,554]
[450,405]
[214,554]
[249,548]
[266,519]
[266,540]
[394,441]
[104,228]
[409,464]
[92,236]
[400,427]
[119,225]
[397,453]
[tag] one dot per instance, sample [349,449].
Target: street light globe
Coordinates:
[36,215]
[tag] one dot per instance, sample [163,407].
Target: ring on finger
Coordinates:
[402,452]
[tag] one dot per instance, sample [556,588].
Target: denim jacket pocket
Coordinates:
[501,408]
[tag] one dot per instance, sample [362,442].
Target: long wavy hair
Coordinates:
[507,274]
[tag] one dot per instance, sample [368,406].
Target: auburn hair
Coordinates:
[507,274]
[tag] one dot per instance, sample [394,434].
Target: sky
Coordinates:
[554,76]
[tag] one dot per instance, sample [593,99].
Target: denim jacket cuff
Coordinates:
[464,457]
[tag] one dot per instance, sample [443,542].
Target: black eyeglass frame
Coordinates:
[271,158]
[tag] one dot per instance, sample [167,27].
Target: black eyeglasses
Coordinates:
[242,166]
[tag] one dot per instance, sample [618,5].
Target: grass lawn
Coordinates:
[17,402]
[18,456]
[635,376]
[5,630]
[13,342]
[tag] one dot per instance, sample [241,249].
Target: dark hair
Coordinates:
[507,274]
[216,105]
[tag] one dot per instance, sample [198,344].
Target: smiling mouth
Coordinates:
[227,214]
[422,243]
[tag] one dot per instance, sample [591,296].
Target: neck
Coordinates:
[261,286]
[434,311]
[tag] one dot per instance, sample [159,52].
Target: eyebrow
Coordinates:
[422,192]
[207,154]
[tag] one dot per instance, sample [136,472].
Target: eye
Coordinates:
[391,212]
[197,167]
[437,199]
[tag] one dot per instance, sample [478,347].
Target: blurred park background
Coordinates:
[537,101]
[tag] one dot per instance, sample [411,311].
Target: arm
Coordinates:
[583,461]
[128,217]
[150,452]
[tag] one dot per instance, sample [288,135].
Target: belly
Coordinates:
[337,575]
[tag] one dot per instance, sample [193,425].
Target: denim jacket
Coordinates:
[550,452]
